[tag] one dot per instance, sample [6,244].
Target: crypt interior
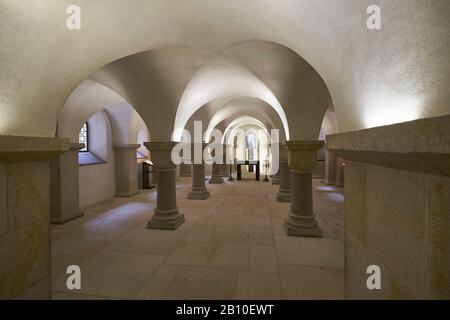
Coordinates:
[358,175]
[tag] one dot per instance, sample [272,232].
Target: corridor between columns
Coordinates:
[232,245]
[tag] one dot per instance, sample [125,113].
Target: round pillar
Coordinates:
[284,192]
[185,170]
[166,214]
[330,168]
[302,158]
[276,178]
[340,165]
[217,171]
[199,190]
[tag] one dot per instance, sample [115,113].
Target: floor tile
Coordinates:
[202,283]
[232,245]
[257,285]
[230,256]
[114,274]
[200,233]
[320,252]
[192,253]
[263,259]
[299,282]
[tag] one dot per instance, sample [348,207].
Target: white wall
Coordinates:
[97,181]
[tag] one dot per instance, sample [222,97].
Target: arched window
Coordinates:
[251,141]
[252,144]
[83,137]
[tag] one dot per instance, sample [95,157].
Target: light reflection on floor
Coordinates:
[232,246]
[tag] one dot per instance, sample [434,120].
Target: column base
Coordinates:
[302,226]
[127,194]
[276,181]
[216,180]
[168,220]
[283,196]
[328,183]
[62,221]
[198,194]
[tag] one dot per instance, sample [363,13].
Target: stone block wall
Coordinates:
[397,208]
[399,221]
[25,215]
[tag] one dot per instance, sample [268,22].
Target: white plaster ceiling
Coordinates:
[391,75]
[241,124]
[219,113]
[91,97]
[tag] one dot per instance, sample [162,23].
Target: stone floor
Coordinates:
[232,246]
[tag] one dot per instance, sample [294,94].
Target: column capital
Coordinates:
[160,145]
[303,154]
[126,146]
[160,152]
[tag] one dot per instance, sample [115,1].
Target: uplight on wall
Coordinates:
[386,110]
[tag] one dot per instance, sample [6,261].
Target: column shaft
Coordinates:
[225,170]
[199,190]
[340,172]
[185,170]
[276,178]
[284,192]
[216,176]
[125,163]
[65,199]
[217,171]
[302,158]
[166,214]
[330,168]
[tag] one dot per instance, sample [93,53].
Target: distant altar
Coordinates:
[247,163]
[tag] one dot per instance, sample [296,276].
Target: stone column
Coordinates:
[25,176]
[166,214]
[185,170]
[217,172]
[64,186]
[284,192]
[276,178]
[125,163]
[302,158]
[330,168]
[225,170]
[340,165]
[199,190]
[216,176]
[224,167]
